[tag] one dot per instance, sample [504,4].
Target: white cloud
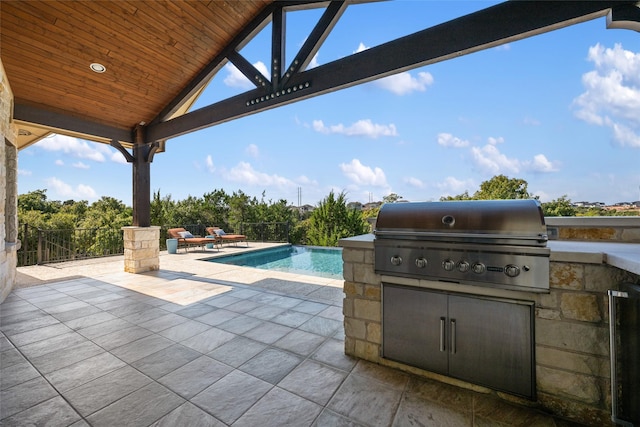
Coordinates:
[404,83]
[245,174]
[117,157]
[252,150]
[364,128]
[209,164]
[80,165]
[414,182]
[612,93]
[363,175]
[236,79]
[625,136]
[65,190]
[24,172]
[531,121]
[490,160]
[75,147]
[452,186]
[59,162]
[304,180]
[540,163]
[448,140]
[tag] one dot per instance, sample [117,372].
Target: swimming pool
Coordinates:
[310,260]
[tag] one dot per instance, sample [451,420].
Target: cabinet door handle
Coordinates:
[442,333]
[453,336]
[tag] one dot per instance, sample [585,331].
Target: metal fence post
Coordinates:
[39,255]
[25,244]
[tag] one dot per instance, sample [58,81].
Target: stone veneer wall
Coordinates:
[9,243]
[572,341]
[609,229]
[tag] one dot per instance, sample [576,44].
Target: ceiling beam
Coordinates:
[66,124]
[312,44]
[230,53]
[496,25]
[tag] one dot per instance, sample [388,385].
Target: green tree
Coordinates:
[107,212]
[162,210]
[77,209]
[559,207]
[103,220]
[592,212]
[34,218]
[36,200]
[241,209]
[391,198]
[502,187]
[217,205]
[332,221]
[463,196]
[499,187]
[62,221]
[189,211]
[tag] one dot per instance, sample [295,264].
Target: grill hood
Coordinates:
[519,222]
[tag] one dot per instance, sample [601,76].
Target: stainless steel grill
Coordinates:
[496,243]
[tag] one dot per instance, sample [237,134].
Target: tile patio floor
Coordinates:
[204,344]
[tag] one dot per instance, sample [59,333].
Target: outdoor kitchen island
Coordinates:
[571,373]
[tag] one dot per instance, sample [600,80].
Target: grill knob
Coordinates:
[421,262]
[448,265]
[396,260]
[512,270]
[478,268]
[463,266]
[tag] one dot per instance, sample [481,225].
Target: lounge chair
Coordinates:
[184,241]
[226,238]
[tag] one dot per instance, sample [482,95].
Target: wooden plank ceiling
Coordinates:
[151,50]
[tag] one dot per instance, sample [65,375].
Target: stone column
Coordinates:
[9,243]
[141,249]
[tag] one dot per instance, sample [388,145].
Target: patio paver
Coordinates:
[204,344]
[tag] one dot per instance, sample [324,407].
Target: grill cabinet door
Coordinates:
[493,343]
[413,327]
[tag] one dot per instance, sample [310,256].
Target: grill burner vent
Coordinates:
[499,243]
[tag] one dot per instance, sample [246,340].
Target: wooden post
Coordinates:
[141,181]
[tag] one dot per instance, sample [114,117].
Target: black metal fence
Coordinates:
[49,246]
[266,231]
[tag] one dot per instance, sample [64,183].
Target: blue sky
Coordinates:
[559,110]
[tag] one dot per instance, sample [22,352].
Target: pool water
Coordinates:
[310,260]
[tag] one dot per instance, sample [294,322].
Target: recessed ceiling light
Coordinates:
[98,68]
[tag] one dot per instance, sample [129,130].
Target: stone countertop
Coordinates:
[625,256]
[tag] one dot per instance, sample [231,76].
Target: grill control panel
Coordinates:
[467,264]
